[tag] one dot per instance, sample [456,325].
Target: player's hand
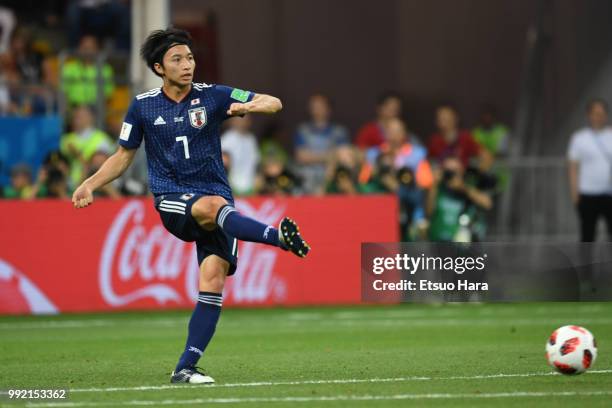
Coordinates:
[82,197]
[238,109]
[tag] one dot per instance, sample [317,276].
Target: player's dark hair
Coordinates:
[159,42]
[597,101]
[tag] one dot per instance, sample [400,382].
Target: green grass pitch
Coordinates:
[454,355]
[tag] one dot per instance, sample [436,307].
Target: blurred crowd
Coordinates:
[445,183]
[60,47]
[54,62]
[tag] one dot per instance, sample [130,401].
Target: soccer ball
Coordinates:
[571,350]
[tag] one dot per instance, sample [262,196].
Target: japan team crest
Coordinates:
[197,117]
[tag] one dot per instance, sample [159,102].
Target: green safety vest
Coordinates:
[80,82]
[445,219]
[491,139]
[10,193]
[86,146]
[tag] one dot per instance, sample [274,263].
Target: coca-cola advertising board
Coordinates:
[116,255]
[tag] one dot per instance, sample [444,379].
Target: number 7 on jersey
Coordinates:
[185,144]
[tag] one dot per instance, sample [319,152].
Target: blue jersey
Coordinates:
[182,139]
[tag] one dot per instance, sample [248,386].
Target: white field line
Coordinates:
[230,400]
[331,381]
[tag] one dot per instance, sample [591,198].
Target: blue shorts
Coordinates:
[175,212]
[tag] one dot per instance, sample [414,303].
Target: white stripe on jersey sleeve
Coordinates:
[149,93]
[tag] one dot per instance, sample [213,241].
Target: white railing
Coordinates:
[536,203]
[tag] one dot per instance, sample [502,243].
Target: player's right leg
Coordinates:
[212,211]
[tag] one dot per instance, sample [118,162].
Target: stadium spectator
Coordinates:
[22,59]
[270,144]
[240,144]
[402,152]
[9,81]
[490,133]
[52,180]
[56,185]
[316,142]
[21,183]
[455,203]
[7,25]
[450,141]
[93,165]
[378,176]
[401,167]
[82,142]
[373,134]
[407,153]
[22,68]
[493,136]
[82,75]
[590,171]
[276,178]
[348,156]
[414,177]
[343,181]
[347,161]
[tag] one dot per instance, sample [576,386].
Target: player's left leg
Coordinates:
[213,211]
[213,271]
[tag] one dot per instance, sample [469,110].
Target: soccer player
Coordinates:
[181,124]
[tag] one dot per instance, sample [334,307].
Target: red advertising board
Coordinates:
[116,255]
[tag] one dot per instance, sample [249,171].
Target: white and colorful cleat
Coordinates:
[191,375]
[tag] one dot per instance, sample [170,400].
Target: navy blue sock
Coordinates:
[201,328]
[245,228]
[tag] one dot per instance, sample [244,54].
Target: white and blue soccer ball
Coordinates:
[571,350]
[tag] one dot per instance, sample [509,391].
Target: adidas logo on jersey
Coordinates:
[159,121]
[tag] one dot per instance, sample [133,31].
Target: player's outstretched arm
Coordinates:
[112,168]
[261,103]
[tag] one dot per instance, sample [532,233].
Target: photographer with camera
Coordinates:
[456,202]
[400,165]
[276,178]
